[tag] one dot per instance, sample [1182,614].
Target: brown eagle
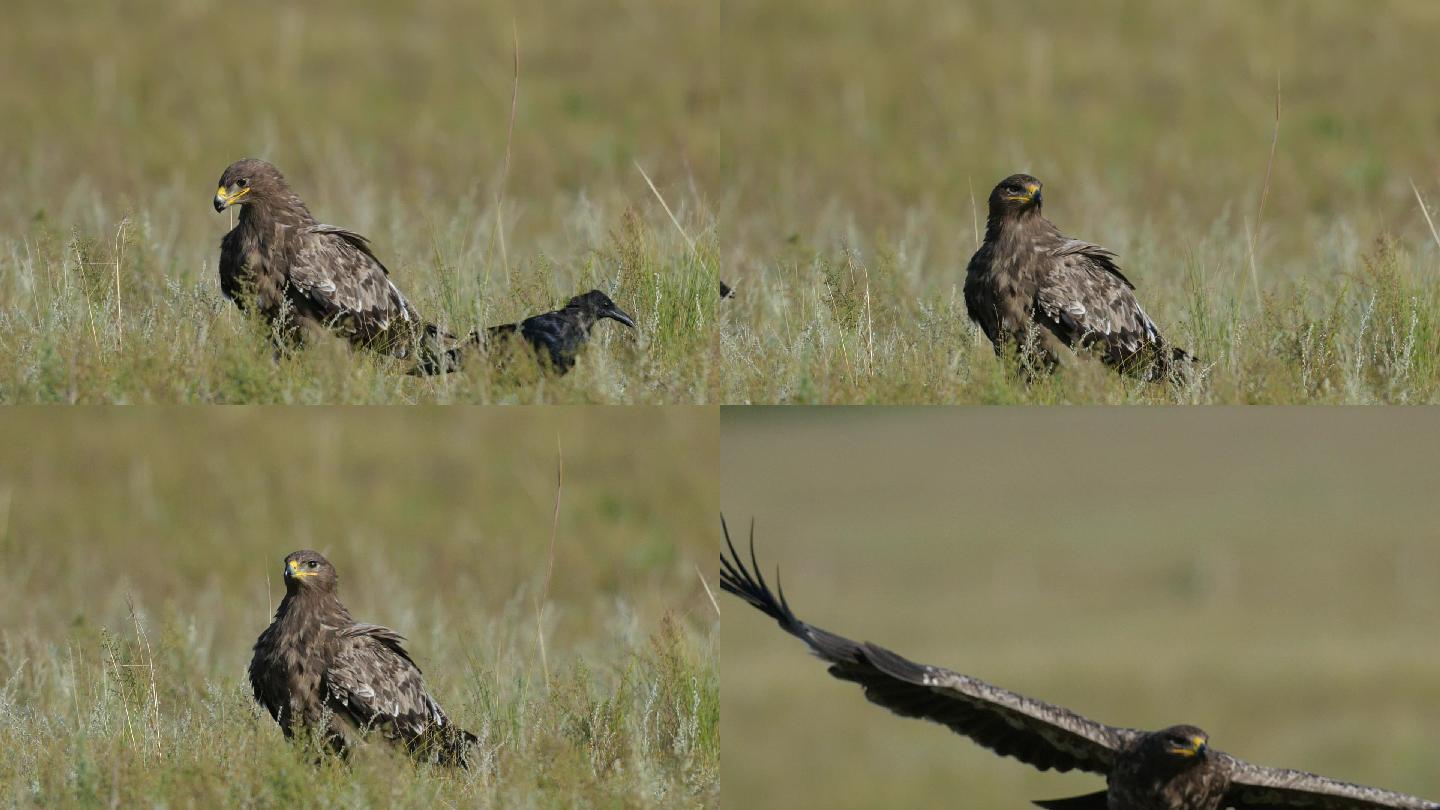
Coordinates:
[316,669]
[1171,769]
[1031,288]
[302,276]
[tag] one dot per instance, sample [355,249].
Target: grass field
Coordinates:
[390,119]
[860,141]
[141,557]
[1267,575]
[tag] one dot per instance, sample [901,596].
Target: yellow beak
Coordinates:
[1031,189]
[293,570]
[1197,747]
[224,199]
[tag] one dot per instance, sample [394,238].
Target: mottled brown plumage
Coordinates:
[1034,290]
[1171,769]
[302,276]
[316,669]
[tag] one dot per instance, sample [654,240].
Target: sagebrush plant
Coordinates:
[108,321]
[844,329]
[134,715]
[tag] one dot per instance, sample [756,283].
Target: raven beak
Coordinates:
[224,199]
[617,314]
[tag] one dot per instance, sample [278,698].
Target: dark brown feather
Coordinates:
[304,277]
[1034,291]
[1170,769]
[316,669]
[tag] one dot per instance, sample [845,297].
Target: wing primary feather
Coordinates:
[1039,734]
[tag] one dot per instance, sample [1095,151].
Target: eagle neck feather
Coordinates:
[305,614]
[263,215]
[1027,226]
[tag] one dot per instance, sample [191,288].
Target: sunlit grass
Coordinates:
[864,140]
[142,553]
[108,286]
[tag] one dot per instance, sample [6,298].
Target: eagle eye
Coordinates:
[313,564]
[244,181]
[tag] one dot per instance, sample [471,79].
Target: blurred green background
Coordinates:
[861,141]
[1269,575]
[439,522]
[391,119]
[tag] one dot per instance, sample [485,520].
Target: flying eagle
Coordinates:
[1032,288]
[302,276]
[316,669]
[1171,769]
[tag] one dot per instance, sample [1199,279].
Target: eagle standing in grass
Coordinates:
[302,276]
[1031,288]
[1171,769]
[316,669]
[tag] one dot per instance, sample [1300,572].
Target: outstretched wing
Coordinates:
[336,269]
[1036,733]
[1087,301]
[1253,787]
[372,681]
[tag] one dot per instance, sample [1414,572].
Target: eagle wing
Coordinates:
[1253,787]
[335,269]
[1036,733]
[372,681]
[1086,301]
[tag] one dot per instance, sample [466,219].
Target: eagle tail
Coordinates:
[1171,363]
[447,745]
[1090,801]
[441,352]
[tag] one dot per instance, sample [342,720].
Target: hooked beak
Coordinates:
[1031,195]
[619,315]
[292,567]
[1197,748]
[225,198]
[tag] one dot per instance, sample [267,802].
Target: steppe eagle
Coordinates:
[316,669]
[302,276]
[1032,289]
[1171,769]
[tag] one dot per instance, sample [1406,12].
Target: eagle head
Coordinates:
[1014,194]
[1178,745]
[309,570]
[247,180]
[599,305]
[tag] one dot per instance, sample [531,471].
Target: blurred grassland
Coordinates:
[861,140]
[387,118]
[439,523]
[1268,575]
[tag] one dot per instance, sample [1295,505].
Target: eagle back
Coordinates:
[374,683]
[337,275]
